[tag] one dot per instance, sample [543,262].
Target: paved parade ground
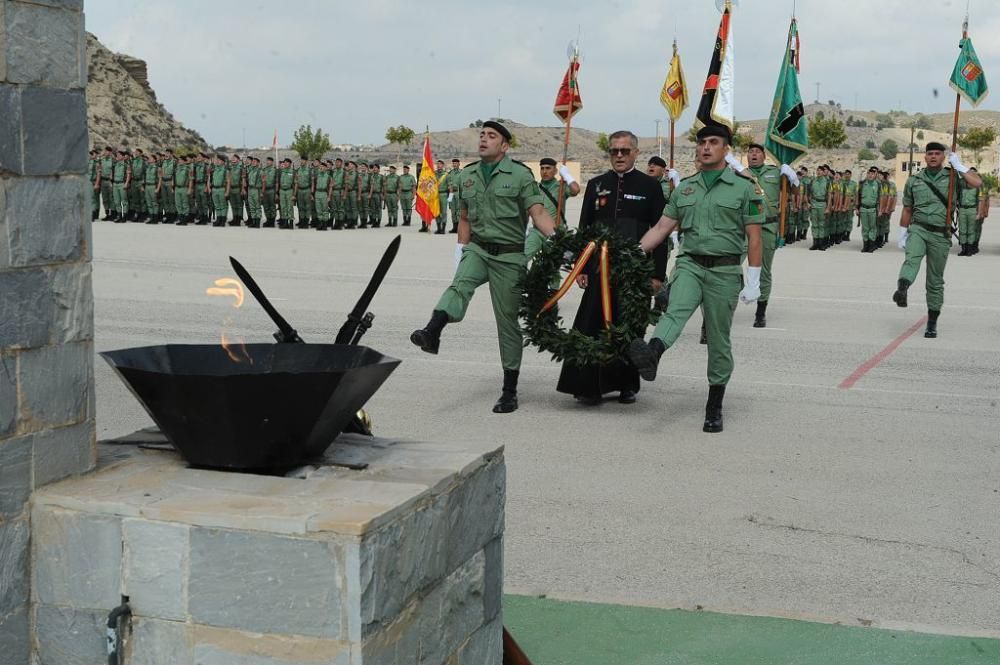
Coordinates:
[857,480]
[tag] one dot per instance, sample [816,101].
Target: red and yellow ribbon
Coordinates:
[581,263]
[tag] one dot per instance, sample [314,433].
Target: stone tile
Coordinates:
[264,583]
[62,452]
[3,52]
[215,646]
[25,308]
[55,385]
[4,242]
[485,647]
[43,45]
[15,636]
[74,5]
[15,475]
[476,514]
[73,300]
[44,220]
[76,559]
[14,557]
[493,583]
[11,152]
[54,132]
[70,637]
[455,612]
[156,568]
[159,642]
[8,396]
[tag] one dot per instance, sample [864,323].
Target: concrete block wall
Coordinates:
[46,303]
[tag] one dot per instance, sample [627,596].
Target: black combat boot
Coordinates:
[975,248]
[932,318]
[759,319]
[454,228]
[182,220]
[406,221]
[713,409]
[424,228]
[155,219]
[253,223]
[428,338]
[646,357]
[703,338]
[899,296]
[964,251]
[815,245]
[508,396]
[268,223]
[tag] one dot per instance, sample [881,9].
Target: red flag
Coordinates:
[568,100]
[428,204]
[274,141]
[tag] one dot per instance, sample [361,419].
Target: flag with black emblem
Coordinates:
[788,129]
[717,107]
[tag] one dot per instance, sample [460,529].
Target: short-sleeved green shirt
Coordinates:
[713,219]
[850,189]
[769,178]
[181,175]
[322,180]
[152,174]
[871,191]
[119,171]
[407,183]
[497,209]
[337,176]
[303,177]
[552,187]
[805,185]
[820,187]
[927,207]
[442,180]
[968,197]
[270,174]
[391,184]
[253,178]
[138,169]
[168,166]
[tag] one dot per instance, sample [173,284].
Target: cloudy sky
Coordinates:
[356,67]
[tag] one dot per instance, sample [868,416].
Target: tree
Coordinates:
[889,149]
[976,139]
[820,115]
[884,121]
[401,135]
[866,155]
[309,144]
[742,140]
[604,145]
[513,142]
[990,182]
[870,144]
[920,135]
[920,121]
[826,133]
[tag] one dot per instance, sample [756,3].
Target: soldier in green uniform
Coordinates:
[891,199]
[151,190]
[925,230]
[237,189]
[868,204]
[804,203]
[497,196]
[303,189]
[322,188]
[820,189]
[254,186]
[121,176]
[183,186]
[407,190]
[452,179]
[441,222]
[984,212]
[351,195]
[768,179]
[286,194]
[94,174]
[107,164]
[269,189]
[719,214]
[548,186]
[834,221]
[136,200]
[167,203]
[392,197]
[202,193]
[218,178]
[849,205]
[967,205]
[337,194]
[375,197]
[364,194]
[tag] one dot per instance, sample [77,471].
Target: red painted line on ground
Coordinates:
[877,359]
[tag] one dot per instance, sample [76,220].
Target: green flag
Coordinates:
[968,78]
[788,129]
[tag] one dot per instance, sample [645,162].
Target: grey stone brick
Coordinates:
[493,583]
[70,636]
[485,647]
[264,583]
[15,636]
[3,49]
[55,131]
[159,642]
[11,153]
[8,396]
[25,309]
[62,452]
[454,611]
[13,566]
[73,303]
[74,5]
[208,654]
[76,559]
[4,244]
[44,220]
[156,566]
[43,45]
[15,475]
[476,514]
[55,385]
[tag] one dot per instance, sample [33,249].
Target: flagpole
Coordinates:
[954,143]
[671,143]
[569,122]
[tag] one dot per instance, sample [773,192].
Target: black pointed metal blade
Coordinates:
[286,333]
[346,333]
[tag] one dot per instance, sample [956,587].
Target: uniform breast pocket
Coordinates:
[685,213]
[729,214]
[468,201]
[507,202]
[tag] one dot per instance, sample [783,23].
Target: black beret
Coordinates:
[406,166]
[493,124]
[270,159]
[715,130]
[755,145]
[456,159]
[392,166]
[934,145]
[656,161]
[546,161]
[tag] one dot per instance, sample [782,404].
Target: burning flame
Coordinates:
[236,350]
[227,286]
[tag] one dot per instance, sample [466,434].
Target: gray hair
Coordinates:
[625,134]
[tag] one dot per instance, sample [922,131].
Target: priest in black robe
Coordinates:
[630,202]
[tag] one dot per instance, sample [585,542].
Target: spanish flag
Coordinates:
[674,96]
[428,204]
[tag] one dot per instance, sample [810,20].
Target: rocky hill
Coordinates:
[122,109]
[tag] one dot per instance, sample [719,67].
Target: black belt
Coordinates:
[119,182]
[933,229]
[495,248]
[867,208]
[819,200]
[218,186]
[969,207]
[285,189]
[715,261]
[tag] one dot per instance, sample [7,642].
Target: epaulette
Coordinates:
[693,175]
[524,165]
[471,164]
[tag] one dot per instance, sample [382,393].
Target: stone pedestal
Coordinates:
[399,562]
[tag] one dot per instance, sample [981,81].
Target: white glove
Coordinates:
[459,249]
[674,176]
[734,163]
[903,232]
[956,163]
[789,173]
[451,195]
[751,291]
[676,240]
[566,175]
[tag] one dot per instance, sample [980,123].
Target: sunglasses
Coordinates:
[620,151]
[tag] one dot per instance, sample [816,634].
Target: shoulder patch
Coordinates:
[522,164]
[471,164]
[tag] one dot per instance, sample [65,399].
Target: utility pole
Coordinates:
[498,109]
[817,93]
[909,167]
[659,142]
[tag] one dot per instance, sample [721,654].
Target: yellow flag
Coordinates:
[674,96]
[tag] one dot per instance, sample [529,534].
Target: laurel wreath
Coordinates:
[631,269]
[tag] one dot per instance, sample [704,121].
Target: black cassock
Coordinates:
[630,204]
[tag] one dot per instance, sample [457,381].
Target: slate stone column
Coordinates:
[46,301]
